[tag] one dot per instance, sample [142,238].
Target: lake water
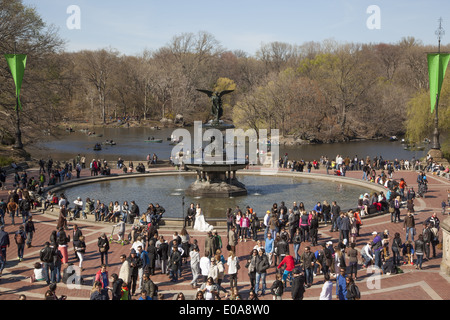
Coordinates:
[131,145]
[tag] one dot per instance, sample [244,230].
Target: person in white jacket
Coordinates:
[195,265]
[233,267]
[366,253]
[124,272]
[204,266]
[327,288]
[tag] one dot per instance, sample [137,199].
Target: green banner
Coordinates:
[437,64]
[16,63]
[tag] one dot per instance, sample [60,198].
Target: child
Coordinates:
[277,288]
[408,252]
[144,296]
[125,292]
[38,273]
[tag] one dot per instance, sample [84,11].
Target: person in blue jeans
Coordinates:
[4,242]
[20,236]
[297,240]
[308,258]
[2,216]
[262,264]
[409,224]
[288,260]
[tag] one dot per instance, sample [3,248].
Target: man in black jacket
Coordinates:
[116,287]
[298,285]
[175,258]
[190,216]
[262,264]
[335,211]
[152,253]
[307,259]
[159,211]
[134,212]
[149,286]
[46,255]
[163,253]
[282,248]
[29,230]
[135,263]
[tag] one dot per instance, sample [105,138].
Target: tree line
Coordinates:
[318,91]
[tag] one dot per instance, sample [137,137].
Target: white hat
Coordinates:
[329,242]
[374,233]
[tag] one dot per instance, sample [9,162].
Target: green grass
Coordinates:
[5,161]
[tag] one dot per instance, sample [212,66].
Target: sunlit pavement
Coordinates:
[426,284]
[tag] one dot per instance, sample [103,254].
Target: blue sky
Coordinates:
[135,25]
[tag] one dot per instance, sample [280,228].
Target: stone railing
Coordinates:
[445,264]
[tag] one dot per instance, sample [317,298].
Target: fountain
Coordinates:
[216,176]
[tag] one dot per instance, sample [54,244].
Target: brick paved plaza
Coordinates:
[426,284]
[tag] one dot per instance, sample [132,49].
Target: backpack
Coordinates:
[356,292]
[47,255]
[18,238]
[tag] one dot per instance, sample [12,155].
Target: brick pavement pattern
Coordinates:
[426,284]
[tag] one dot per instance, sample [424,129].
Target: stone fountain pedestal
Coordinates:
[216,181]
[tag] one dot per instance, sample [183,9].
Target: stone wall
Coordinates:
[445,264]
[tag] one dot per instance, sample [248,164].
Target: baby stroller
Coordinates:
[122,242]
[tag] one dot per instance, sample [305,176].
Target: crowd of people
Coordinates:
[340,165]
[179,257]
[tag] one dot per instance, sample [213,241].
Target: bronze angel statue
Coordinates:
[216,98]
